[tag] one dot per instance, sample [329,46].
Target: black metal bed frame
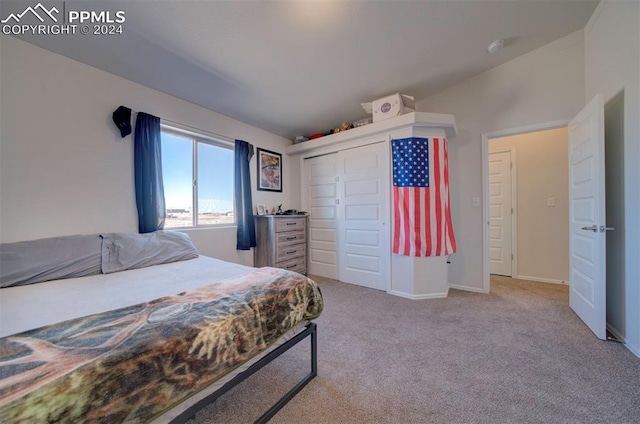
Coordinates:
[310,330]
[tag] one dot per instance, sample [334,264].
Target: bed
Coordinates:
[145,341]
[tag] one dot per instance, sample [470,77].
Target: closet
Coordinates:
[346,188]
[346,194]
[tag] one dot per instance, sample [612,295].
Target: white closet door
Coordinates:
[363,216]
[320,198]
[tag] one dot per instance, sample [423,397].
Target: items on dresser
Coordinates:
[282,242]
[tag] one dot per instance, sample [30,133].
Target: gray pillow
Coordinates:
[122,251]
[35,261]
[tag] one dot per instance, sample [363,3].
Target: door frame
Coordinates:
[514,205]
[486,287]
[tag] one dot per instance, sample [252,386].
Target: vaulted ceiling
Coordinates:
[300,67]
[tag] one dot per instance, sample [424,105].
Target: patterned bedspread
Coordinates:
[134,363]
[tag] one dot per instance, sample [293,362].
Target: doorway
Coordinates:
[526,213]
[615,187]
[529,206]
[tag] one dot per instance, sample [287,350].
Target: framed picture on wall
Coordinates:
[269,170]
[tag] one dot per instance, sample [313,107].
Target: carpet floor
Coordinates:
[516,355]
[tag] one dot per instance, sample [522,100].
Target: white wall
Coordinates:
[612,64]
[64,169]
[544,85]
[542,231]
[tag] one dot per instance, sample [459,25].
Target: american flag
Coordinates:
[421,205]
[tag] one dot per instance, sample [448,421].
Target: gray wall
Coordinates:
[542,86]
[64,167]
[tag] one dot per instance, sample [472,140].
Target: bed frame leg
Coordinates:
[313,332]
[310,330]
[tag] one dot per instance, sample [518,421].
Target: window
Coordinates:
[198,179]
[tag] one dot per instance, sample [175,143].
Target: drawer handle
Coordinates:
[291,238]
[291,266]
[291,251]
[292,223]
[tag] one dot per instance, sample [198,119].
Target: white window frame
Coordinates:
[198,137]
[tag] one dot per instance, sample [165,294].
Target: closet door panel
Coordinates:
[363,216]
[320,198]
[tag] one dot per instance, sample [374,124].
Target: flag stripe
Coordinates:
[417,206]
[396,223]
[443,197]
[423,226]
[407,221]
[451,239]
[437,198]
[429,217]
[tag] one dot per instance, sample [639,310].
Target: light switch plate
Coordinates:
[475,202]
[551,202]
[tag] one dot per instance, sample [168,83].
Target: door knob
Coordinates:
[593,228]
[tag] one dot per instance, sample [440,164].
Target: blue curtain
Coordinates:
[148,174]
[244,206]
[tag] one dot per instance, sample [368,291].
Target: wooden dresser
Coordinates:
[282,242]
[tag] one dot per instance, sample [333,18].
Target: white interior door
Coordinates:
[500,214]
[320,200]
[364,198]
[587,238]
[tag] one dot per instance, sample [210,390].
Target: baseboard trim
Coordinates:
[467,288]
[542,280]
[419,296]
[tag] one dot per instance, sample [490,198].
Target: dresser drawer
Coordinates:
[297,265]
[290,252]
[290,238]
[289,224]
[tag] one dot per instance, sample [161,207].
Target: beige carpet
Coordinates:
[517,355]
